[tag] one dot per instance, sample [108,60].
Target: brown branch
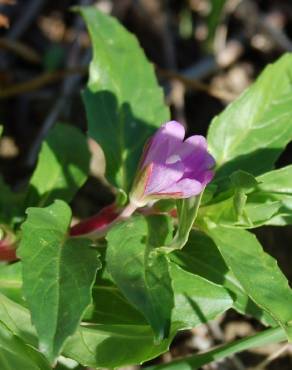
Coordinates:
[40,81]
[52,77]
[263,365]
[195,84]
[7,2]
[20,49]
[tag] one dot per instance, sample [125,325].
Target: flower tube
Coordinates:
[171,167]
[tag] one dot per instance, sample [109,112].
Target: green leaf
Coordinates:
[252,132]
[91,345]
[243,180]
[242,206]
[125,331]
[269,202]
[138,269]
[123,102]
[187,210]
[110,307]
[276,186]
[160,230]
[284,215]
[269,336]
[62,167]
[58,274]
[257,272]
[202,258]
[11,281]
[276,182]
[17,319]
[213,19]
[15,354]
[260,213]
[197,300]
[113,346]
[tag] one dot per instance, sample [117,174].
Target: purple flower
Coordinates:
[171,167]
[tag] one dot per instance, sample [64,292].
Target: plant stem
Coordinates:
[127,211]
[102,228]
[272,335]
[187,210]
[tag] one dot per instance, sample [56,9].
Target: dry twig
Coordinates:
[40,81]
[196,85]
[271,358]
[20,49]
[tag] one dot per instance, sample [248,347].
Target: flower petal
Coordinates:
[196,159]
[186,187]
[194,151]
[164,176]
[164,143]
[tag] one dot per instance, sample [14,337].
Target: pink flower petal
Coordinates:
[165,142]
[187,188]
[194,152]
[162,177]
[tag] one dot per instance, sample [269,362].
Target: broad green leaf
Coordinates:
[11,281]
[110,307]
[15,354]
[125,331]
[284,215]
[197,300]
[276,182]
[243,180]
[140,271]
[17,319]
[243,204]
[113,346]
[160,230]
[260,213]
[92,345]
[123,102]
[269,202]
[252,132]
[256,211]
[209,193]
[276,186]
[62,167]
[202,258]
[58,274]
[257,272]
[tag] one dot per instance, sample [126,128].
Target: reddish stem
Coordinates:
[97,222]
[7,252]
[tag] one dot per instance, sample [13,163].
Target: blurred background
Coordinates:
[206,52]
